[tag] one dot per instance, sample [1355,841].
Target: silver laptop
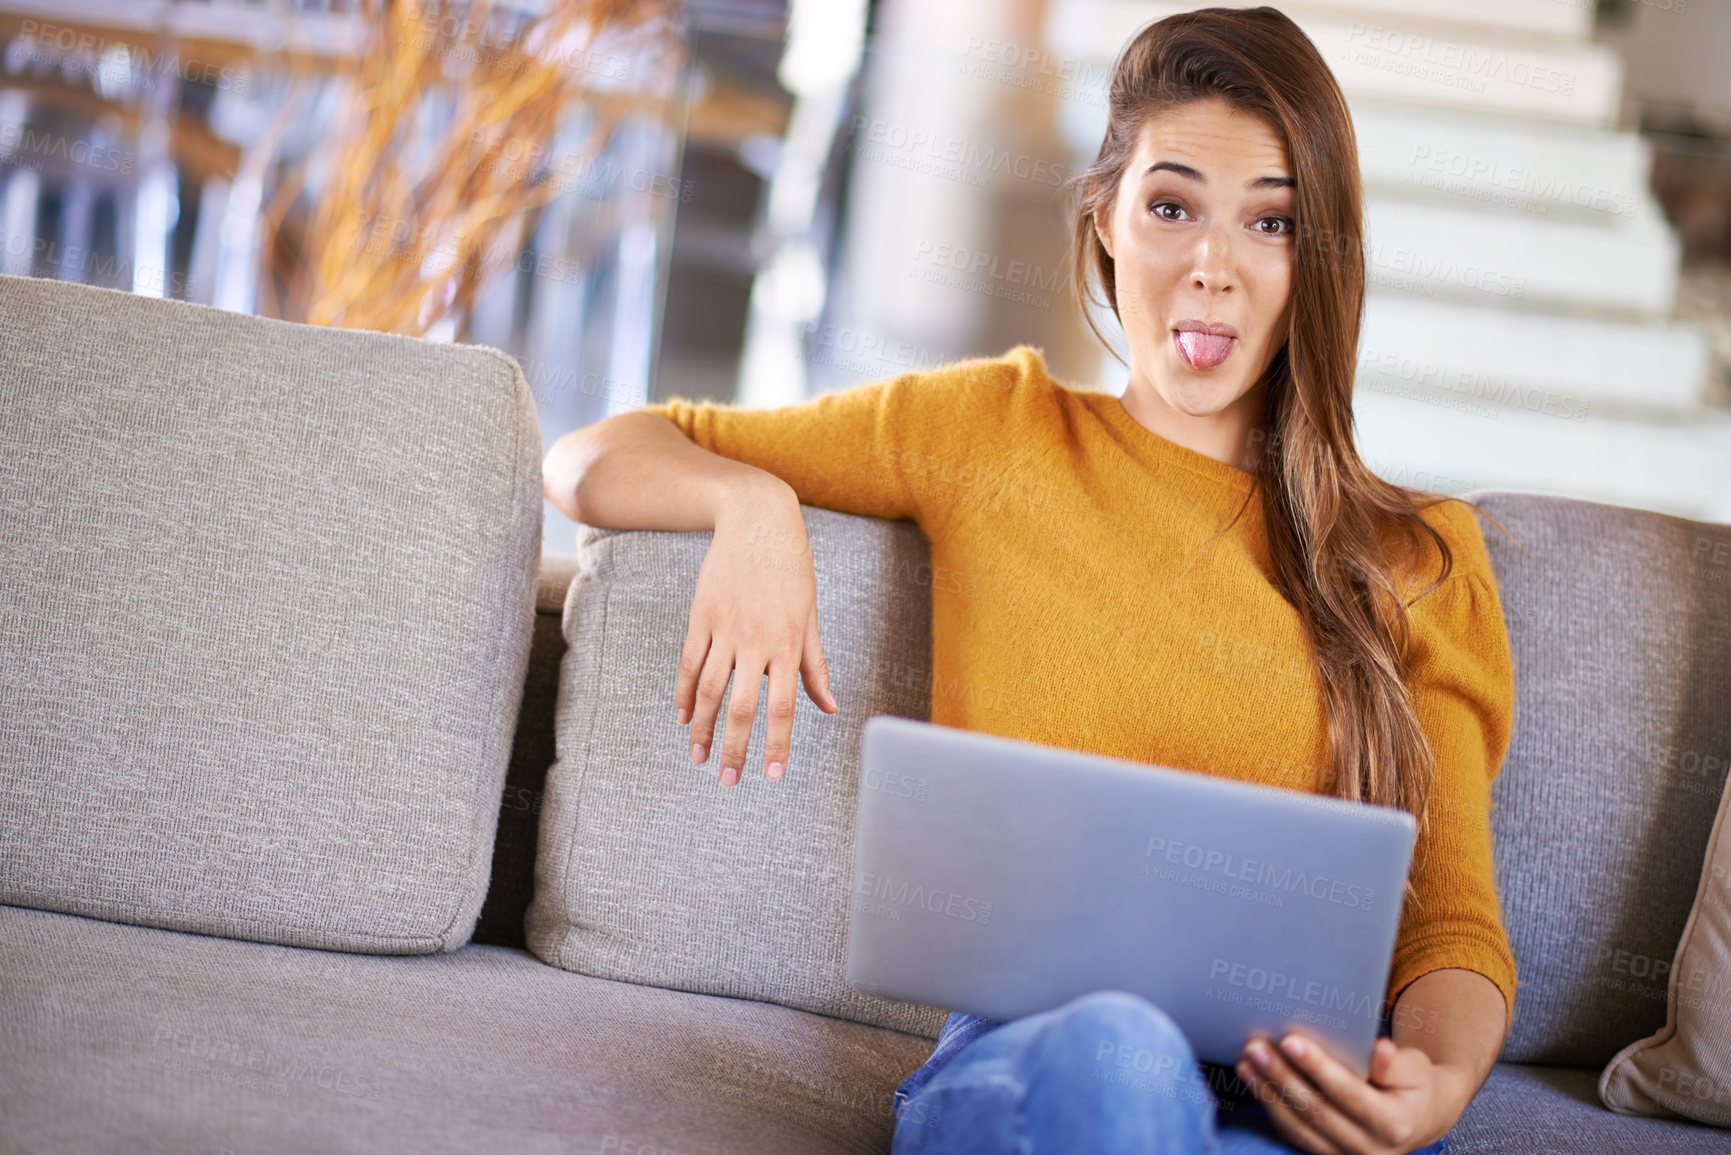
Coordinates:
[1001,878]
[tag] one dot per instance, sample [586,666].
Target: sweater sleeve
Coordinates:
[902,448]
[1463,689]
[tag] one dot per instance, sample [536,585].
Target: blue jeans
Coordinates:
[1108,1072]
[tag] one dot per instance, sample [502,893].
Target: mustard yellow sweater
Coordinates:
[1073,604]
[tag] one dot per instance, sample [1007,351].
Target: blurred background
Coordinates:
[756,201]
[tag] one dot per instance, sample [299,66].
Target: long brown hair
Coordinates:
[1331,522]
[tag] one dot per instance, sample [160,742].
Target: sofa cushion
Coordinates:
[1619,625]
[648,870]
[1684,1068]
[1526,1110]
[512,884]
[125,1039]
[268,604]
[513,881]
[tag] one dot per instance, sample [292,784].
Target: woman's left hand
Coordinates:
[1408,1102]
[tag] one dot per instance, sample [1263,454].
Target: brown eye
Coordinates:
[1155,209]
[1281,233]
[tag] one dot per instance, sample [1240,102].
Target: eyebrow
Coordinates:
[1185,170]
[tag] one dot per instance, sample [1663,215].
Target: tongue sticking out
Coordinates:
[1204,350]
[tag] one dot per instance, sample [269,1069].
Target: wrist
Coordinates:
[750,495]
[1455,1086]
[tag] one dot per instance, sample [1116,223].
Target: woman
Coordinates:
[1201,575]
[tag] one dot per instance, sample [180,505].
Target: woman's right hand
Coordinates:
[755,611]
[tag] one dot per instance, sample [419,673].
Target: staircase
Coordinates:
[1520,320]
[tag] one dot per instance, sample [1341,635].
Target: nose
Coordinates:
[1212,262]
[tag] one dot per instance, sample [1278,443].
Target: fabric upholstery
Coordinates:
[1684,1068]
[553,579]
[268,598]
[1528,1110]
[513,881]
[1620,628]
[648,870]
[135,1041]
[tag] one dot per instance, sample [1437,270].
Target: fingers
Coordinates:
[690,669]
[715,668]
[749,631]
[1384,1071]
[1361,1103]
[1321,1098]
[815,668]
[704,672]
[778,730]
[1279,1099]
[741,709]
[1293,1126]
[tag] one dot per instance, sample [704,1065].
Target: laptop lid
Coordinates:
[1000,877]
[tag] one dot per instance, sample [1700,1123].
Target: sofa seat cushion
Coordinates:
[132,1039]
[1524,1110]
[129,1039]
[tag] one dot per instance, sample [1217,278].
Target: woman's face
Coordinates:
[1200,235]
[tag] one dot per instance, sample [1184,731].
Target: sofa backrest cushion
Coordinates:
[1619,625]
[1684,1069]
[648,870]
[532,751]
[268,600]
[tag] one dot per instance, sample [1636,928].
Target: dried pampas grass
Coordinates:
[409,225]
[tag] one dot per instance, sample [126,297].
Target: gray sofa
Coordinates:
[280,665]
